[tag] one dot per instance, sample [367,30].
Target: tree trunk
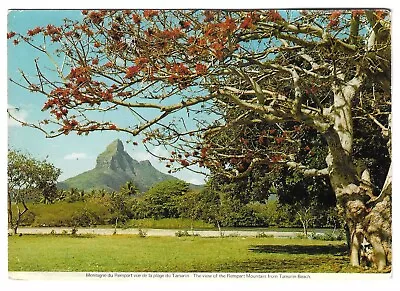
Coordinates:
[366,216]
[10,214]
[115,226]
[219,229]
[19,217]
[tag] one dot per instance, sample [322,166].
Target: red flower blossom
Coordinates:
[273,16]
[218,47]
[204,152]
[209,16]
[334,18]
[96,17]
[279,140]
[150,13]
[112,126]
[64,111]
[184,163]
[95,61]
[10,34]
[185,24]
[109,64]
[34,31]
[107,95]
[131,71]
[335,14]
[229,25]
[97,44]
[201,69]
[380,14]
[247,23]
[141,61]
[275,159]
[191,39]
[333,22]
[136,18]
[180,69]
[355,13]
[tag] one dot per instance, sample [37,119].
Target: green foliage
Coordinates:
[92,212]
[329,236]
[264,235]
[168,223]
[376,158]
[181,233]
[30,179]
[120,203]
[216,207]
[161,201]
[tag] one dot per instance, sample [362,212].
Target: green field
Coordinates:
[172,254]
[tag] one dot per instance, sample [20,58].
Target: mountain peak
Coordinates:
[114,157]
[114,167]
[115,146]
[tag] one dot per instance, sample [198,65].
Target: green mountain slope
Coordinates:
[114,167]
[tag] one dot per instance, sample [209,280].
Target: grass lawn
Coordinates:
[125,253]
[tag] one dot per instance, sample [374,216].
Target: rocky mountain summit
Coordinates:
[114,167]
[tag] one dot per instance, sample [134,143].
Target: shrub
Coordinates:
[300,236]
[168,223]
[264,235]
[181,233]
[85,217]
[332,236]
[142,233]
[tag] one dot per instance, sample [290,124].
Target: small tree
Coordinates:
[121,202]
[162,200]
[27,179]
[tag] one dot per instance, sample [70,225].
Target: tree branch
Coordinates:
[308,171]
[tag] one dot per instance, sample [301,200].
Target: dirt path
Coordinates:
[152,232]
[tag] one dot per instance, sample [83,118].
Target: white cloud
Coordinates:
[76,156]
[18,113]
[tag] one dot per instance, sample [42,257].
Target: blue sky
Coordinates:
[73,154]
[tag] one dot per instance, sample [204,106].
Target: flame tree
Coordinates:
[190,76]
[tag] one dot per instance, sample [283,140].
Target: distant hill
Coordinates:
[114,167]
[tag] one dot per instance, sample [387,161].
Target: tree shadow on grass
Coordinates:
[335,250]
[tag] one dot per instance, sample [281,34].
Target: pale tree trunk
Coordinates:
[352,193]
[378,222]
